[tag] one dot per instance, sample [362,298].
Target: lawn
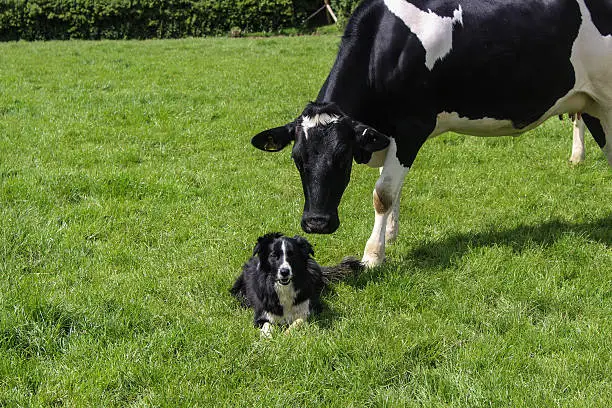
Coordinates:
[130,197]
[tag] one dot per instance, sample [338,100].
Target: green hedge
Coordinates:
[344,8]
[112,19]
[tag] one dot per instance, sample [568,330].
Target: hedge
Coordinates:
[344,8]
[112,19]
[115,19]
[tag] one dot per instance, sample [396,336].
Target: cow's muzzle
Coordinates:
[320,223]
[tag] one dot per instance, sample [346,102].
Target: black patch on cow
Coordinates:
[595,128]
[601,14]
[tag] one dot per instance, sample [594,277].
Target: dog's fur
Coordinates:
[283,283]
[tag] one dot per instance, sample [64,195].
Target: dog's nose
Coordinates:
[284,272]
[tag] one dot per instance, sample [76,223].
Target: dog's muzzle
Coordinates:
[284,276]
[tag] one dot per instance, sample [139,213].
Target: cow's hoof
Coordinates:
[371,261]
[576,160]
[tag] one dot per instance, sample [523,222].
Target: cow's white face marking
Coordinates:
[434,32]
[322,119]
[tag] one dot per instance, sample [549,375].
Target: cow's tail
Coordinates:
[349,266]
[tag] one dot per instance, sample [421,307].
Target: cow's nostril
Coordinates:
[320,224]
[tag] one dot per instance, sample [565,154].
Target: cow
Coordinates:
[409,70]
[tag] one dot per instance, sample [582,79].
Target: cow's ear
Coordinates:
[275,139]
[370,139]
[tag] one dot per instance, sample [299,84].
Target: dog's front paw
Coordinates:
[266,330]
[294,326]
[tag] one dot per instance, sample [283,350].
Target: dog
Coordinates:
[283,283]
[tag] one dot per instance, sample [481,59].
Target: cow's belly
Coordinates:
[476,127]
[574,101]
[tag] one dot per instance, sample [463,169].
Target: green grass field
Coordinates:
[130,198]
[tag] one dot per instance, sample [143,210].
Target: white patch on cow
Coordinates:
[446,121]
[434,32]
[322,119]
[592,60]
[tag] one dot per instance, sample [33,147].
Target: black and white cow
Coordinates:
[409,70]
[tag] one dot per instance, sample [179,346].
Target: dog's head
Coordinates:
[282,258]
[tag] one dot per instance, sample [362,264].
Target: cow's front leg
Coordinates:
[386,201]
[392,228]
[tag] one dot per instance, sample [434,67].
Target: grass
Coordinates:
[130,197]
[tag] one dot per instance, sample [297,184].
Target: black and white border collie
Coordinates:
[283,283]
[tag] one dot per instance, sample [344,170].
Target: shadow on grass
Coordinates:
[442,253]
[326,316]
[435,255]
[429,256]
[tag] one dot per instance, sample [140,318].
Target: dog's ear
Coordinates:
[263,242]
[304,245]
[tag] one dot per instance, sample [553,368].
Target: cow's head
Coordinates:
[326,142]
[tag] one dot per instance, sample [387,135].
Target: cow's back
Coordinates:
[498,59]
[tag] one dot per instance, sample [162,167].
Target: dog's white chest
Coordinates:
[286,296]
